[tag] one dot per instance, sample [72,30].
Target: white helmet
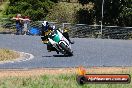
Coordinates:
[45,23]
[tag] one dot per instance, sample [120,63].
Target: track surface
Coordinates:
[87,52]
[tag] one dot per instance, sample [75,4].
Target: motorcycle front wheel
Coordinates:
[66,49]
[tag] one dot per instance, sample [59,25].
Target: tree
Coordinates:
[125,17]
[85,1]
[36,9]
[114,12]
[55,1]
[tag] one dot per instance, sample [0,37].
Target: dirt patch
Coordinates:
[56,71]
[6,54]
[11,56]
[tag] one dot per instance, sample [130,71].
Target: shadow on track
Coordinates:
[6,33]
[57,56]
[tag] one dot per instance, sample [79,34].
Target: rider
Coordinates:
[46,29]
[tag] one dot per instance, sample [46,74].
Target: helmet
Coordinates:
[45,23]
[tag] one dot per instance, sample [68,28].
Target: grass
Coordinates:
[6,54]
[54,81]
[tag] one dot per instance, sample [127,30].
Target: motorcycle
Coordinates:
[60,43]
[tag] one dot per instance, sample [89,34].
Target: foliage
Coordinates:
[63,12]
[3,7]
[126,13]
[55,1]
[116,12]
[85,16]
[36,9]
[83,2]
[112,9]
[71,13]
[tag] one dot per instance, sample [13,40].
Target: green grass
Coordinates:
[52,81]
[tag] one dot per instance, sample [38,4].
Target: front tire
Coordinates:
[66,49]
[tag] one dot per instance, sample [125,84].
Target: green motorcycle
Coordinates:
[60,43]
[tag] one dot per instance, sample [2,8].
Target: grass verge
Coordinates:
[6,55]
[60,78]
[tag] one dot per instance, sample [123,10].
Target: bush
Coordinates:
[36,9]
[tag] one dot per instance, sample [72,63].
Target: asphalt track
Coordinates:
[87,52]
